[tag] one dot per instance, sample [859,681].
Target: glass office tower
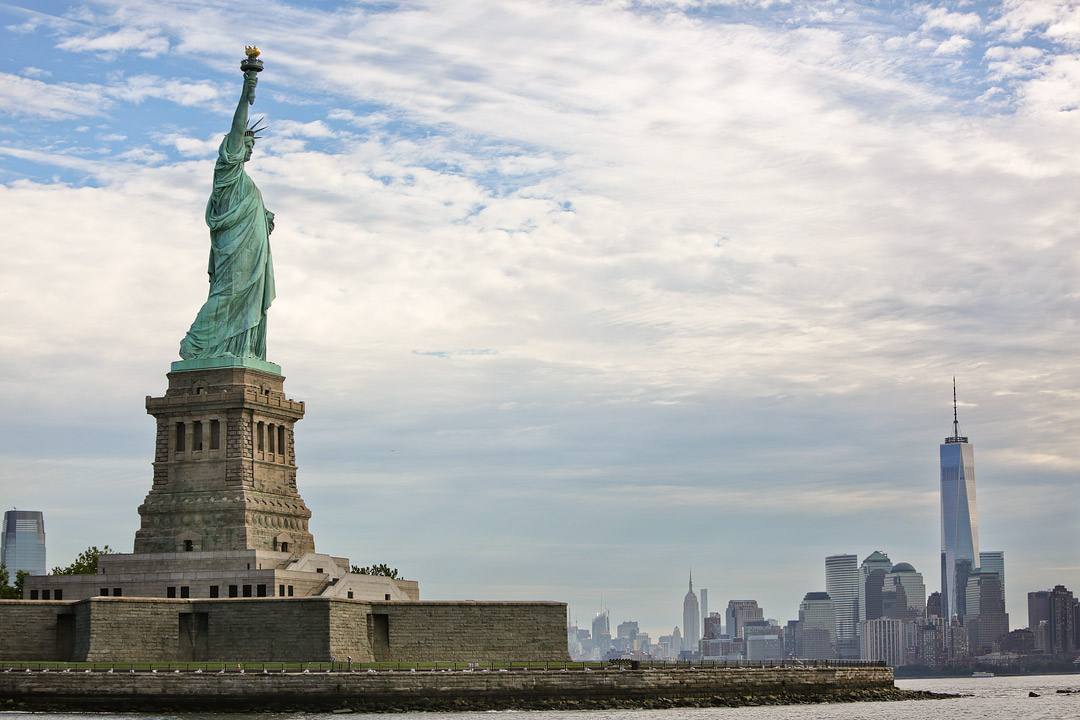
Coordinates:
[842,585]
[959,520]
[22,542]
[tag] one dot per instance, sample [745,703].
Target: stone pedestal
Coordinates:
[224,466]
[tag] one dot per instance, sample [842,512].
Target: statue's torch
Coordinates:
[251,63]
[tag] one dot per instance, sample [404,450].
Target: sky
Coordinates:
[580,296]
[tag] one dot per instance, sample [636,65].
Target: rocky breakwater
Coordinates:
[392,691]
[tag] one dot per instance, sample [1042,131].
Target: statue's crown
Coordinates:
[255,128]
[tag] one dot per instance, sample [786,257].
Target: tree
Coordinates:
[85,564]
[381,569]
[11,592]
[6,591]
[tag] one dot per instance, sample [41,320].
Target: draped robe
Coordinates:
[232,321]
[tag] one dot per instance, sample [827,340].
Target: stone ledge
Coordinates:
[397,691]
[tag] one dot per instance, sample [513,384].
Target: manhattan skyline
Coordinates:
[628,288]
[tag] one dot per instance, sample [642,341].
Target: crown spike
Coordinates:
[255,128]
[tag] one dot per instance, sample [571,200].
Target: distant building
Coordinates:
[1052,617]
[1019,642]
[894,602]
[714,626]
[740,612]
[959,519]
[722,647]
[842,584]
[579,643]
[984,614]
[601,632]
[957,642]
[763,631]
[691,620]
[664,648]
[704,595]
[626,637]
[994,561]
[22,542]
[872,574]
[904,575]
[815,637]
[1038,608]
[933,605]
[883,639]
[764,647]
[932,642]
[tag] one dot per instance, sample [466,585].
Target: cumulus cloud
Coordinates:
[943,19]
[313,129]
[952,46]
[1013,62]
[1056,19]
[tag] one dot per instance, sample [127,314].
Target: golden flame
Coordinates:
[252,51]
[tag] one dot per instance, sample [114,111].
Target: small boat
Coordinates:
[981,673]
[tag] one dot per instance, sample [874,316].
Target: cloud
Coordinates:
[1053,19]
[954,45]
[1013,62]
[28,97]
[941,18]
[138,88]
[314,129]
[146,43]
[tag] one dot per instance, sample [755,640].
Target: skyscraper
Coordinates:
[1052,616]
[872,574]
[22,544]
[740,612]
[816,635]
[984,613]
[959,520]
[704,594]
[601,632]
[842,585]
[691,620]
[994,561]
[904,575]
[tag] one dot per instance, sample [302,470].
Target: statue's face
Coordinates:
[249,144]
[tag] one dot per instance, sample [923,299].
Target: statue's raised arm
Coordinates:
[240,117]
[232,322]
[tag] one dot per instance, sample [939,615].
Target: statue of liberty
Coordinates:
[232,322]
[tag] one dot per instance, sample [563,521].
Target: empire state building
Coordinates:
[959,520]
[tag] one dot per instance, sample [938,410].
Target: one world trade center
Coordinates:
[959,520]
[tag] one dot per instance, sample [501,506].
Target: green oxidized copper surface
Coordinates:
[223,362]
[230,329]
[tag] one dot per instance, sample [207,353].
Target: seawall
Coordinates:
[386,691]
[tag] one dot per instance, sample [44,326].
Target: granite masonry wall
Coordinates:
[28,631]
[126,629]
[446,690]
[446,630]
